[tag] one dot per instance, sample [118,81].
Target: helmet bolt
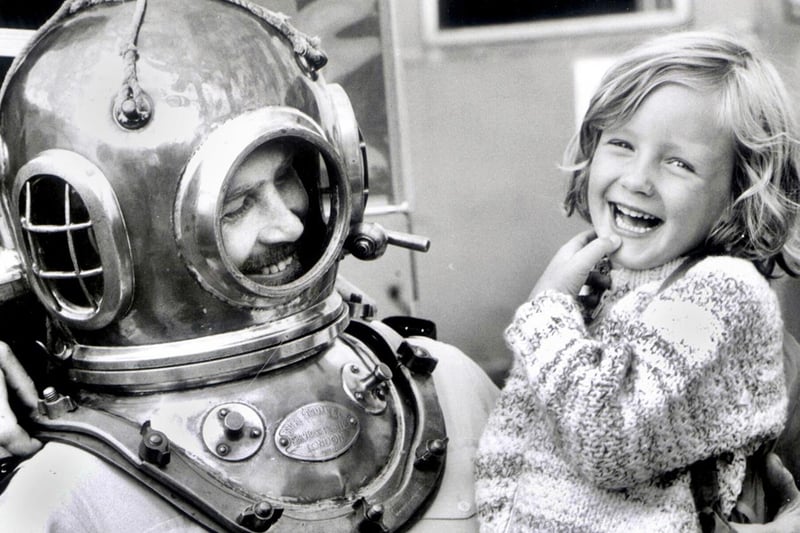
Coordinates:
[262,510]
[374,513]
[133,112]
[363,248]
[129,109]
[233,424]
[50,394]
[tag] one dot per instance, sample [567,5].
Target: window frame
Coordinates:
[433,34]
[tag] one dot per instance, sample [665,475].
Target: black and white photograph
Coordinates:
[412,266]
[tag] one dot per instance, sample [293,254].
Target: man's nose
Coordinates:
[278,222]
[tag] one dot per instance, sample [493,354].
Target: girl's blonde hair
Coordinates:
[760,223]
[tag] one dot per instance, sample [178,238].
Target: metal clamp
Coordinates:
[154,447]
[54,405]
[259,517]
[367,387]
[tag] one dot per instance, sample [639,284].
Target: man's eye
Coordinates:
[237,208]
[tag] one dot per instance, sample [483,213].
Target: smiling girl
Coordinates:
[688,149]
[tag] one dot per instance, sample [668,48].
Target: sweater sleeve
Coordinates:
[696,372]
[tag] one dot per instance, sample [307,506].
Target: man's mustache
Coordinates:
[271,256]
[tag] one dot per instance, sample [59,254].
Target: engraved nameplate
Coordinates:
[317,431]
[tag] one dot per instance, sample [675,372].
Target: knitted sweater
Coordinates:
[596,425]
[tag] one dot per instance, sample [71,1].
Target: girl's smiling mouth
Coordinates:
[632,220]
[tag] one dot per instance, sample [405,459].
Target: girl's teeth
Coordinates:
[623,224]
[635,214]
[634,221]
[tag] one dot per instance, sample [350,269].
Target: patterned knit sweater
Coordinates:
[596,425]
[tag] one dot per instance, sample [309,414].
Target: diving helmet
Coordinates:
[181,183]
[123,131]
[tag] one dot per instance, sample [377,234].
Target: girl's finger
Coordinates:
[577,242]
[588,256]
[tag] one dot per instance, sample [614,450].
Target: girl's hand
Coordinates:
[570,267]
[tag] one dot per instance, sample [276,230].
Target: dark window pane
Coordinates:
[460,13]
[5,63]
[19,15]
[27,15]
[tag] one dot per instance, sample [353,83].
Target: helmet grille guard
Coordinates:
[73,238]
[62,244]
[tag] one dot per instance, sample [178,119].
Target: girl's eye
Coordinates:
[683,165]
[619,143]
